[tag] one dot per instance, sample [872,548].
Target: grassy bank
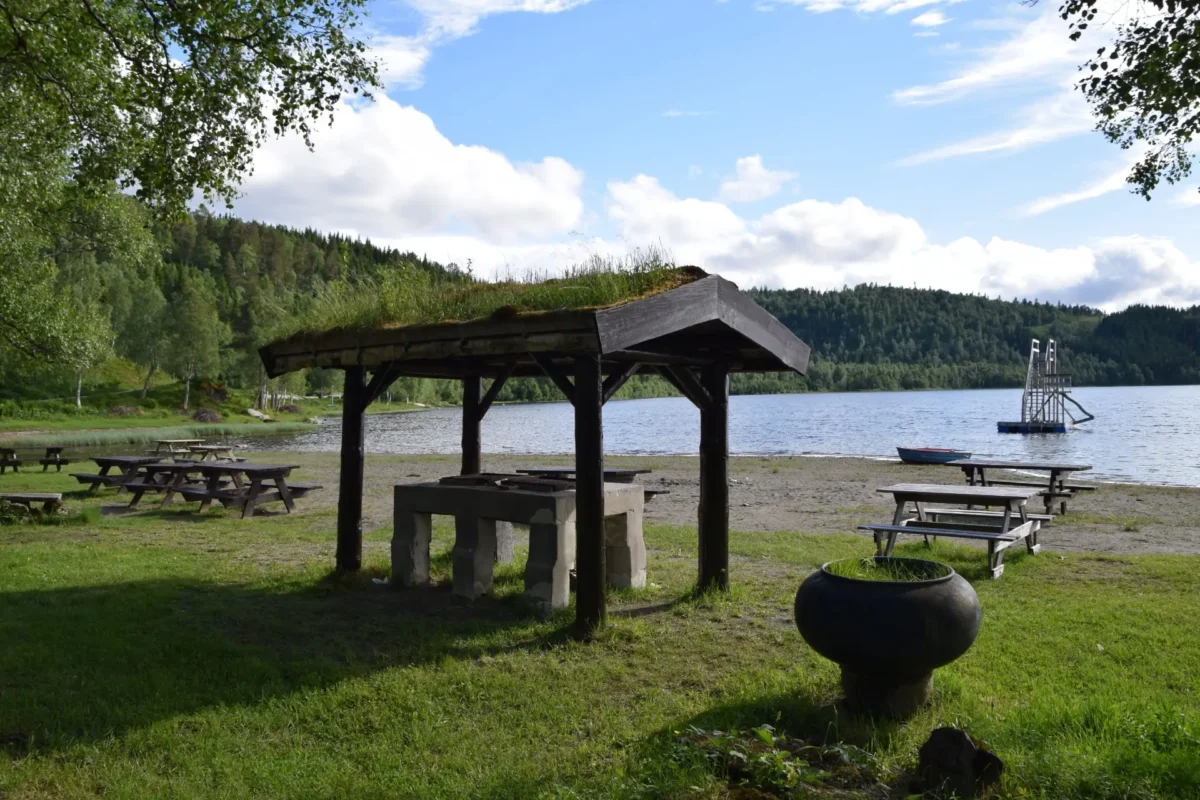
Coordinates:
[165,653]
[138,435]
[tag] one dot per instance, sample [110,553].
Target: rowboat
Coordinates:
[930,455]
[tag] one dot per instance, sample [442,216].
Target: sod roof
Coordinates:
[418,325]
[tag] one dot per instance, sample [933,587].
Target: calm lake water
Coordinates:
[1141,434]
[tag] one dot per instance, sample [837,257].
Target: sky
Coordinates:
[780,143]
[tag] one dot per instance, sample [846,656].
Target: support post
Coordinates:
[472,459]
[590,592]
[714,479]
[350,484]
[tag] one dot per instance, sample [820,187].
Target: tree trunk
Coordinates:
[187,389]
[79,387]
[149,375]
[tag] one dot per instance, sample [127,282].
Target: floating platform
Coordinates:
[1031,427]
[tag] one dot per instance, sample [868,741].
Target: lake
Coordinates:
[1141,434]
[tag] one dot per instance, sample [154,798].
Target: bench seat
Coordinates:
[997,542]
[49,500]
[58,463]
[5,463]
[1074,487]
[97,481]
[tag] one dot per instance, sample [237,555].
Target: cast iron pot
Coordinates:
[888,636]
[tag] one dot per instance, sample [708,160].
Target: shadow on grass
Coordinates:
[82,663]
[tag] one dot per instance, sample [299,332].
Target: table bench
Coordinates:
[250,486]
[9,460]
[53,459]
[50,500]
[1054,488]
[996,528]
[126,467]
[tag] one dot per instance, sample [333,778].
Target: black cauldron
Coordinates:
[889,636]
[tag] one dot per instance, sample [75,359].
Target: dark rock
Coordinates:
[951,763]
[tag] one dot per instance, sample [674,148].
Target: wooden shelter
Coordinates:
[694,335]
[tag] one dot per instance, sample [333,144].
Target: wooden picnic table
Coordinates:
[162,476]
[611,474]
[214,452]
[996,528]
[8,458]
[54,458]
[1053,488]
[174,446]
[250,485]
[126,467]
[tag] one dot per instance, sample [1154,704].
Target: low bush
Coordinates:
[291,408]
[206,415]
[123,411]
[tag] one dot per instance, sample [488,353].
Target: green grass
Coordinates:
[139,435]
[890,570]
[169,654]
[411,297]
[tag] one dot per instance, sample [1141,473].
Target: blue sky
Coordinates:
[783,143]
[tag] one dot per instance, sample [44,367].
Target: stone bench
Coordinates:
[49,500]
[482,535]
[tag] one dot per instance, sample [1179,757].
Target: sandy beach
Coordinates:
[815,495]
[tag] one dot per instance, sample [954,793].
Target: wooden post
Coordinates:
[714,479]
[350,486]
[590,591]
[472,447]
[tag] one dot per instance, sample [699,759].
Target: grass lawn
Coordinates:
[169,654]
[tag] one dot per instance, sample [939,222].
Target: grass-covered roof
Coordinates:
[414,297]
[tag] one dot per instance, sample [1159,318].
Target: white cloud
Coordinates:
[930,19]
[860,6]
[1188,197]
[384,169]
[403,58]
[1112,182]
[827,245]
[753,181]
[1058,116]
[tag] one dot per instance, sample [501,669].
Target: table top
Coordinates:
[179,441]
[1042,465]
[115,460]
[236,466]
[961,494]
[209,448]
[572,470]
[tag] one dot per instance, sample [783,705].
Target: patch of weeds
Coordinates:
[18,514]
[1131,527]
[762,760]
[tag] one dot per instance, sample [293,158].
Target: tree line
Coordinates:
[198,300]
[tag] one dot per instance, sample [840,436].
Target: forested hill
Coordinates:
[201,305]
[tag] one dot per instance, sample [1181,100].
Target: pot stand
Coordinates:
[886,695]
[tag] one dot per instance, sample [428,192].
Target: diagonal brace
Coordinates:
[557,375]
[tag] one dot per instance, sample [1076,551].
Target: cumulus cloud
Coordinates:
[753,181]
[403,58]
[826,245]
[384,169]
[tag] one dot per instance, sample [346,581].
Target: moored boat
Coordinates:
[930,455]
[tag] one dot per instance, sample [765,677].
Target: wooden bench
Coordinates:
[8,458]
[938,513]
[49,500]
[234,497]
[97,481]
[53,459]
[1074,487]
[997,541]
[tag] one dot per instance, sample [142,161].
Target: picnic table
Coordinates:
[162,476]
[53,458]
[8,458]
[1053,488]
[174,446]
[1000,529]
[126,467]
[241,485]
[212,452]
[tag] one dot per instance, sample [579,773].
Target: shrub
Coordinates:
[12,513]
[290,408]
[123,411]
[206,415]
[216,392]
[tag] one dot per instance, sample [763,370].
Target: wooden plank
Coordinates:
[691,386]
[557,375]
[631,324]
[614,382]
[381,380]
[986,463]
[755,323]
[350,488]
[933,492]
[472,444]
[714,480]
[591,590]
